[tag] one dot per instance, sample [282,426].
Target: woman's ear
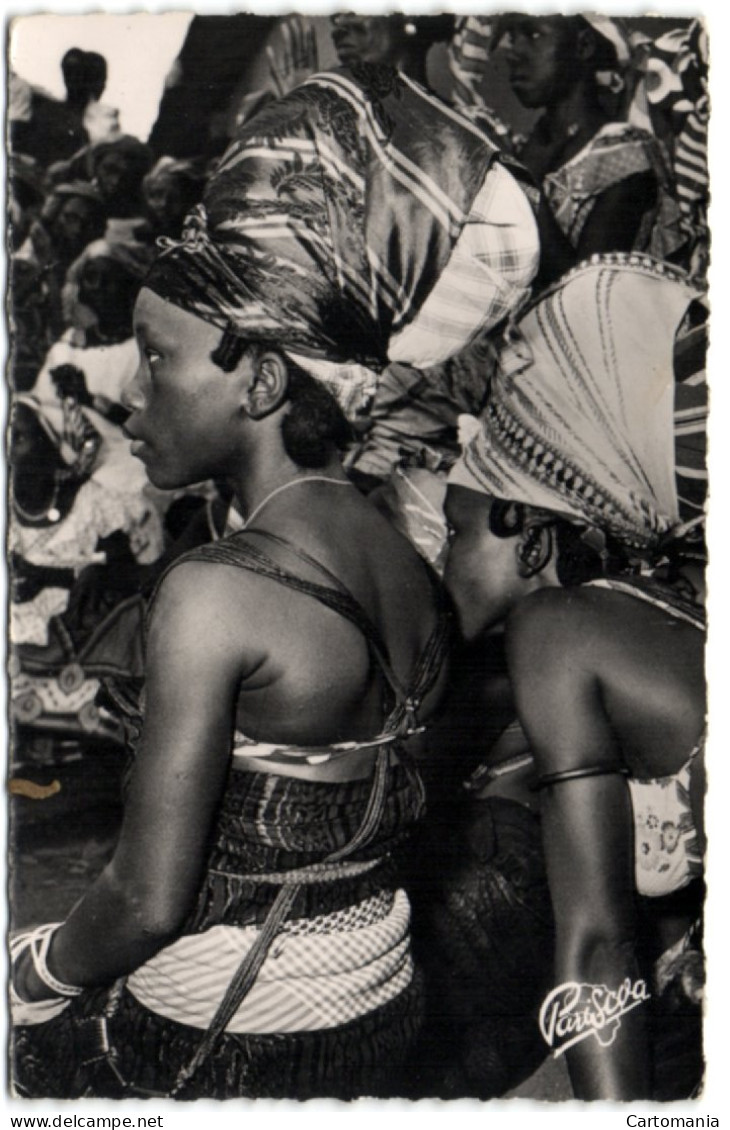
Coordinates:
[268,385]
[534,548]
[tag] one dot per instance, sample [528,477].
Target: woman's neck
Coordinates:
[578,113]
[268,481]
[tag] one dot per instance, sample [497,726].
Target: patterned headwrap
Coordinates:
[353,223]
[580,420]
[671,98]
[616,35]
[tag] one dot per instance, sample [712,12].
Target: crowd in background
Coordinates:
[611,154]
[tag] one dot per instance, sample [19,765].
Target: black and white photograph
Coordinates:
[357,519]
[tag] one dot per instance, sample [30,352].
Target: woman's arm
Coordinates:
[195,663]
[588,840]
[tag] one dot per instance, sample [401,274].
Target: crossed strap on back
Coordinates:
[402,719]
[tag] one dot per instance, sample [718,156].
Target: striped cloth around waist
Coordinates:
[321,974]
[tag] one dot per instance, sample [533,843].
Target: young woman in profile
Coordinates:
[250,936]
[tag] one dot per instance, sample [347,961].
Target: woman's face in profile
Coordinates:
[539,59]
[185,412]
[481,573]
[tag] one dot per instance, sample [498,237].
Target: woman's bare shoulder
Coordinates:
[599,629]
[558,613]
[201,604]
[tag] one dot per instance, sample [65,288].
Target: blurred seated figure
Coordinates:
[170,190]
[60,507]
[66,516]
[72,216]
[116,167]
[93,359]
[99,296]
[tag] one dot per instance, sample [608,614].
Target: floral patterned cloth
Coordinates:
[666,847]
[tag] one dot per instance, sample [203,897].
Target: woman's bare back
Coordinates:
[309,676]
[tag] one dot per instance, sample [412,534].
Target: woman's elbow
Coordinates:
[595,951]
[148,913]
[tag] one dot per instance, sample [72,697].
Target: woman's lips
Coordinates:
[136,445]
[345,51]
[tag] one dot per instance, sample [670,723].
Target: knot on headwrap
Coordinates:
[580,416]
[194,237]
[353,223]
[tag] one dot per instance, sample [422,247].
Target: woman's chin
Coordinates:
[160,479]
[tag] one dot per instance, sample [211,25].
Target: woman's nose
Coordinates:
[514,48]
[132,396]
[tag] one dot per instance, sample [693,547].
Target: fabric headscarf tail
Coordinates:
[352,224]
[580,420]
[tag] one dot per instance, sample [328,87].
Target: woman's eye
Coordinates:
[152,356]
[450,533]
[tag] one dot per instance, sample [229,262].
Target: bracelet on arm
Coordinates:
[575,774]
[24,1012]
[39,944]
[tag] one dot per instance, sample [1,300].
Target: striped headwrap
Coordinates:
[580,419]
[353,223]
